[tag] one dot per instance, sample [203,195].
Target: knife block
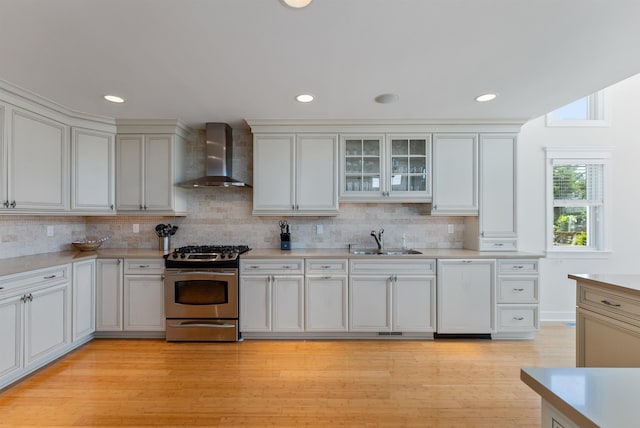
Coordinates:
[285,241]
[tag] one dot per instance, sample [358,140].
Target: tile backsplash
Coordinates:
[223,216]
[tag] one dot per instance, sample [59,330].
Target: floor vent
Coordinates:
[389,333]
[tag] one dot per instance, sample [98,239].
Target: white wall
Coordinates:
[557,292]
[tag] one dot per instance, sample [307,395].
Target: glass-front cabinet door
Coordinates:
[362,161]
[410,158]
[386,168]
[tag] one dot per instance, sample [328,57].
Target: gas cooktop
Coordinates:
[205,254]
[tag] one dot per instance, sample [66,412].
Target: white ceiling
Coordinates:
[229,60]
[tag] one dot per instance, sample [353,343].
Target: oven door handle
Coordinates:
[200,324]
[190,272]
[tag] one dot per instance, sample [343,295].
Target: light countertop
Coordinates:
[40,261]
[629,283]
[590,397]
[427,253]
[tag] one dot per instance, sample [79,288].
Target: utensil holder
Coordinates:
[285,241]
[164,244]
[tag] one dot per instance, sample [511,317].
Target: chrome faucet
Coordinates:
[379,238]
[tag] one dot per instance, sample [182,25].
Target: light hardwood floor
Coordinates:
[444,383]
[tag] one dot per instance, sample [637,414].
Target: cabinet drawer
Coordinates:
[498,244]
[46,276]
[143,266]
[392,266]
[272,266]
[518,289]
[607,302]
[517,266]
[518,318]
[324,266]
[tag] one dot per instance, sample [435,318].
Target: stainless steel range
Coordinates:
[201,293]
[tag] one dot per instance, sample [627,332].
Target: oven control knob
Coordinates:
[183,255]
[223,255]
[174,255]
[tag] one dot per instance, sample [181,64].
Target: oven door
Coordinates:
[192,293]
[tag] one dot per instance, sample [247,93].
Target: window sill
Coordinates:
[575,255]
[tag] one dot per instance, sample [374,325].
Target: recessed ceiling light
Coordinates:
[296,4]
[386,98]
[304,98]
[486,97]
[114,98]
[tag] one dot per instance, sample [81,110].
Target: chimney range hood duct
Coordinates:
[219,147]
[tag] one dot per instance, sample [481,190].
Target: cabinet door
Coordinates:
[288,303]
[414,304]
[84,299]
[129,172]
[273,174]
[255,303]
[144,303]
[158,173]
[326,303]
[39,166]
[11,333]
[369,303]
[362,167]
[92,171]
[4,197]
[317,173]
[465,296]
[455,174]
[409,177]
[47,322]
[109,295]
[497,186]
[603,341]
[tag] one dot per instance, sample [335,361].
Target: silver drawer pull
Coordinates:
[518,267]
[608,303]
[50,277]
[326,277]
[286,267]
[498,244]
[518,318]
[143,266]
[326,267]
[197,324]
[518,289]
[253,267]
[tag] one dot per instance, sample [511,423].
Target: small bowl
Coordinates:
[87,245]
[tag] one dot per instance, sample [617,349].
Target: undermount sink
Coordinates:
[390,252]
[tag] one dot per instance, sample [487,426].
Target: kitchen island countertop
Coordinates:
[589,397]
[628,283]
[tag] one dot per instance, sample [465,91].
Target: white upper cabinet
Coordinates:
[385,168]
[455,175]
[295,174]
[148,166]
[498,192]
[92,171]
[36,165]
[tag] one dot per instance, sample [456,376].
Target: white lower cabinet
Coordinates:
[272,295]
[130,296]
[109,295]
[466,296]
[326,295]
[272,303]
[396,295]
[35,320]
[517,309]
[84,299]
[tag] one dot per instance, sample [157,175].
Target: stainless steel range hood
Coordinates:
[219,159]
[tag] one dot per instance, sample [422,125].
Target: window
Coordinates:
[587,111]
[577,200]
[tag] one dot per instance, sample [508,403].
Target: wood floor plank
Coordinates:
[443,383]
